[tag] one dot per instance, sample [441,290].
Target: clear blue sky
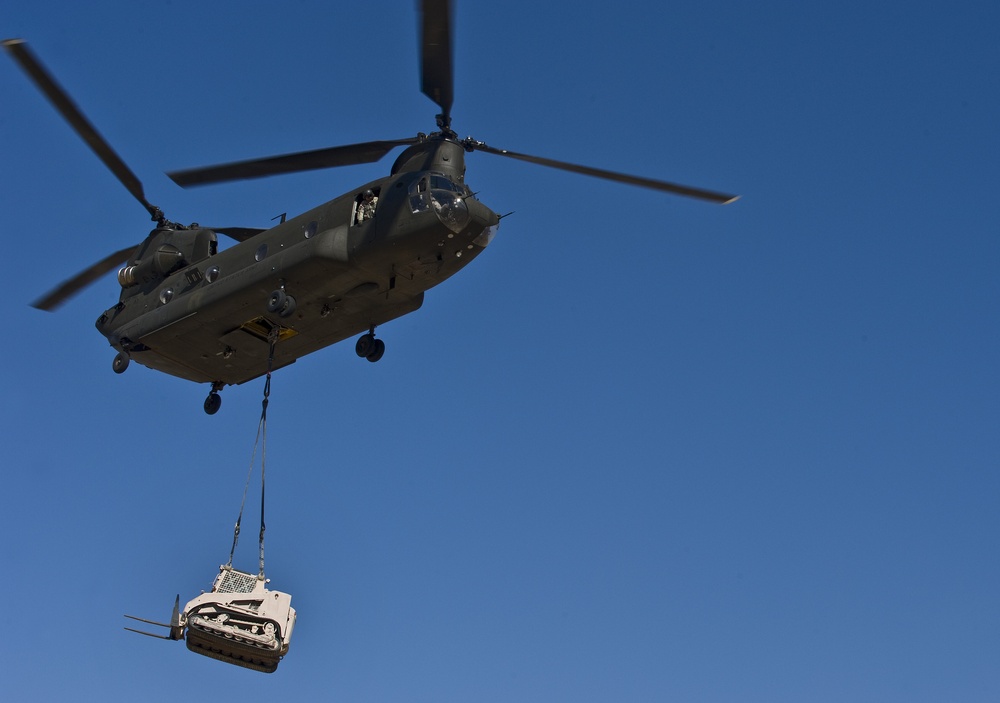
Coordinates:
[644,448]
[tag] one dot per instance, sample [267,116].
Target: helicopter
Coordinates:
[343,268]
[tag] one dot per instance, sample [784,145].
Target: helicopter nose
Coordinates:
[482,219]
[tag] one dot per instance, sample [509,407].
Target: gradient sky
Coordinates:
[643,449]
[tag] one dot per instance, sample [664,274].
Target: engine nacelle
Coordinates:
[165,260]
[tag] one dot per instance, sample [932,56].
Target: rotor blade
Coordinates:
[712,196]
[364,153]
[71,113]
[437,75]
[69,288]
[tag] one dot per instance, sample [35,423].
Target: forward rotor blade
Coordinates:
[437,74]
[364,153]
[59,98]
[69,288]
[677,189]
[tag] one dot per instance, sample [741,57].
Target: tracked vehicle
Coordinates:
[239,621]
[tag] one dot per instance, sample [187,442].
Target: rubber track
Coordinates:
[233,651]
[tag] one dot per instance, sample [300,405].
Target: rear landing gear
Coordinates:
[280,302]
[370,348]
[214,401]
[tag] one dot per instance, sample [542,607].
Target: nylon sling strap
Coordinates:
[261,439]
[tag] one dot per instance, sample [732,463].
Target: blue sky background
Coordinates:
[644,448]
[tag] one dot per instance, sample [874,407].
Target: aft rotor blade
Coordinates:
[59,98]
[677,189]
[437,74]
[69,288]
[364,153]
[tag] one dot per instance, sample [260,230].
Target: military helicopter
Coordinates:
[339,270]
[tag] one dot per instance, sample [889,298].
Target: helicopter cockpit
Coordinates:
[445,197]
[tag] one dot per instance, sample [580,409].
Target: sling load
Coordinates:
[239,621]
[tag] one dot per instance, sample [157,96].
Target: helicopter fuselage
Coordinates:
[205,316]
[340,269]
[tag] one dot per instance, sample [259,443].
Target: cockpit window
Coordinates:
[446,198]
[445,183]
[420,199]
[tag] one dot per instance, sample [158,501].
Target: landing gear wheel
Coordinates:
[212,403]
[277,301]
[288,308]
[121,362]
[378,349]
[365,344]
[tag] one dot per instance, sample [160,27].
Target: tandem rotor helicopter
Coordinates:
[339,270]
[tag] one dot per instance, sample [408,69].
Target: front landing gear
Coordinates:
[122,358]
[121,362]
[214,401]
[368,347]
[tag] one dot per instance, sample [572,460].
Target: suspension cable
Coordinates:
[261,439]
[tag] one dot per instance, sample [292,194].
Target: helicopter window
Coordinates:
[365,205]
[445,183]
[420,199]
[260,253]
[418,196]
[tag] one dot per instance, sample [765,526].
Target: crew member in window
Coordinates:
[366,208]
